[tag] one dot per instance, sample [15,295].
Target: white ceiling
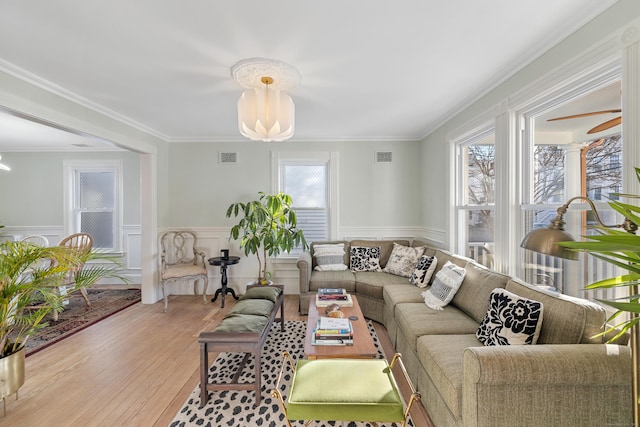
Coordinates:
[371,69]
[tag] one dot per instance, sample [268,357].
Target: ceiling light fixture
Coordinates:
[3,166]
[265,112]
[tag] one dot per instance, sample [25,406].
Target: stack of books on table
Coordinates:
[333,331]
[328,296]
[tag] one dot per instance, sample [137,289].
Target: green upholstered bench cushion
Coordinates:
[256,307]
[242,323]
[262,292]
[344,390]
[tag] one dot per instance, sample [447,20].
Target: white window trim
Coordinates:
[70,167]
[330,158]
[457,142]
[619,53]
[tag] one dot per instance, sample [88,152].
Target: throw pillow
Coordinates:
[262,292]
[445,286]
[365,258]
[423,271]
[510,320]
[403,259]
[329,257]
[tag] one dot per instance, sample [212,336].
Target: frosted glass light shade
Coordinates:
[266,114]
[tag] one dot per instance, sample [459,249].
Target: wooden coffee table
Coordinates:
[363,346]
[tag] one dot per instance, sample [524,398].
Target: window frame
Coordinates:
[460,204]
[72,169]
[328,158]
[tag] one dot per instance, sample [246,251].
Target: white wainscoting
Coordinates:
[283,269]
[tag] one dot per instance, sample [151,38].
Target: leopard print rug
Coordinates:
[234,408]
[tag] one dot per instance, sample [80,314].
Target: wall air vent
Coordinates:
[384,156]
[227,158]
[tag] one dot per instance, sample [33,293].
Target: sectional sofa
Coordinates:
[568,378]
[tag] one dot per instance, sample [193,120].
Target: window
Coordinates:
[307,178]
[93,201]
[565,161]
[475,201]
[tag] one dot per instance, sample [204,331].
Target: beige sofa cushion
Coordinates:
[332,279]
[416,320]
[372,283]
[400,294]
[567,320]
[473,295]
[386,246]
[441,357]
[444,256]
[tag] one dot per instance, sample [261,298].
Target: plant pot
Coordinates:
[258,282]
[11,373]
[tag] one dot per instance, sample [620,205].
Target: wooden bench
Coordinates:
[243,330]
[344,390]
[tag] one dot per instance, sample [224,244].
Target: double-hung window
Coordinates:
[93,201]
[475,195]
[307,178]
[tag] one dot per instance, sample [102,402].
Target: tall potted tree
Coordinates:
[267,225]
[30,274]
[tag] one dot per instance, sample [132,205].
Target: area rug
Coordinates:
[77,316]
[236,407]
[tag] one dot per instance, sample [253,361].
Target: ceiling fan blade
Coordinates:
[593,113]
[606,125]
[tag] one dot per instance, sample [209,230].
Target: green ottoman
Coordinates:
[344,390]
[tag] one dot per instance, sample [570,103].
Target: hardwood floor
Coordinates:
[135,368]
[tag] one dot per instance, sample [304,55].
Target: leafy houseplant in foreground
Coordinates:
[268,223]
[621,249]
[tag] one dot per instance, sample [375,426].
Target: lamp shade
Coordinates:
[545,241]
[266,114]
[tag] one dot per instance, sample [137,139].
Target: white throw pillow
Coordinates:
[329,257]
[510,320]
[423,271]
[445,286]
[403,260]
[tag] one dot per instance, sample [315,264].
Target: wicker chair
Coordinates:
[181,260]
[80,244]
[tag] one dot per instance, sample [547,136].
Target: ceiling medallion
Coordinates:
[265,112]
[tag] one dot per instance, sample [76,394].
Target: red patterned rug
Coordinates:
[77,316]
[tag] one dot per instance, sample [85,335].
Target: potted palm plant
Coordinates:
[29,280]
[267,225]
[622,249]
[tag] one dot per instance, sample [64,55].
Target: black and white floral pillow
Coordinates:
[423,271]
[510,320]
[365,258]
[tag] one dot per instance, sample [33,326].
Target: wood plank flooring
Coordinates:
[135,368]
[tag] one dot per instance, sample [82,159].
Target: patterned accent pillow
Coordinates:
[329,257]
[510,320]
[424,270]
[445,286]
[403,259]
[365,258]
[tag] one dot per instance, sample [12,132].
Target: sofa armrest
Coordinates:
[547,385]
[304,268]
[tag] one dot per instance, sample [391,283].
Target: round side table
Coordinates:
[223,263]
